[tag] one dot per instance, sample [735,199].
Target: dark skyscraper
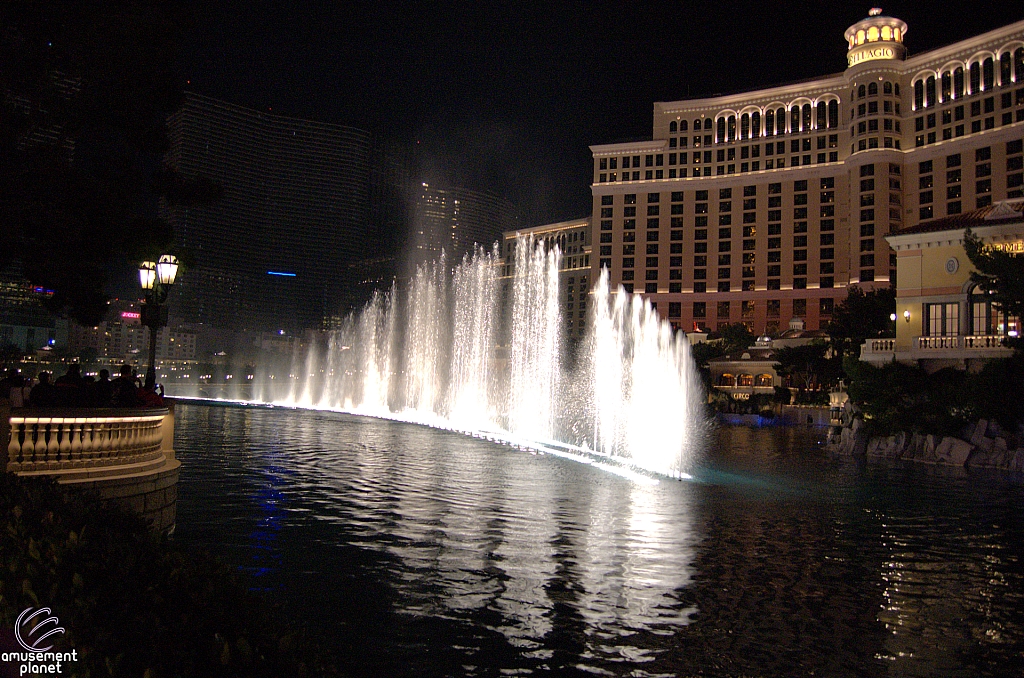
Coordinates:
[277,251]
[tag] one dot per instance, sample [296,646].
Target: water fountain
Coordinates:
[446,351]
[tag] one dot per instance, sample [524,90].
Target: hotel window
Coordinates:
[941,320]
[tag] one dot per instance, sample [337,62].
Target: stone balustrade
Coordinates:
[121,455]
[976,342]
[79,439]
[937,343]
[879,346]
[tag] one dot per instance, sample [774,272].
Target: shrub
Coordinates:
[133,605]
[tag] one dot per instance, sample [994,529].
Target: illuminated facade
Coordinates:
[573,240]
[767,205]
[942,318]
[276,252]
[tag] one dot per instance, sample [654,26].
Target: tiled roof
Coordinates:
[986,216]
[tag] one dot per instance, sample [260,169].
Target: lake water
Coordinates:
[417,552]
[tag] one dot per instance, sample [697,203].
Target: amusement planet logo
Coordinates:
[31,630]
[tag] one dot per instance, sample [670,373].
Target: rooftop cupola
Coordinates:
[874,38]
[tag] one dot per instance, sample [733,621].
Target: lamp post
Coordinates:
[156,280]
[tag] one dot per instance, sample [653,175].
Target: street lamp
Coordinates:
[156,280]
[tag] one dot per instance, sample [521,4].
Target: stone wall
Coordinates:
[984,447]
[147,486]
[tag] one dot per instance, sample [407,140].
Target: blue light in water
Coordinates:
[287,275]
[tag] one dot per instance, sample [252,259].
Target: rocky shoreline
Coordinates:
[982,445]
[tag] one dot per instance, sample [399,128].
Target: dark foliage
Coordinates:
[900,397]
[809,366]
[1001,275]
[862,315]
[134,606]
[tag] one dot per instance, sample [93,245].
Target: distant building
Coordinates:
[573,240]
[121,338]
[942,318]
[25,324]
[766,205]
[276,252]
[456,219]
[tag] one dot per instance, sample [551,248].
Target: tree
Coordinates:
[809,365]
[87,87]
[1001,275]
[735,337]
[861,316]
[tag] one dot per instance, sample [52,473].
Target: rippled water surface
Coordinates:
[423,553]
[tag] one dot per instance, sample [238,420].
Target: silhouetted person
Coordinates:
[150,397]
[125,391]
[43,394]
[103,390]
[70,387]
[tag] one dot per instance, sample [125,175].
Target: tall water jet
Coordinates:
[453,348]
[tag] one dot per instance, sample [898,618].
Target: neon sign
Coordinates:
[129,314]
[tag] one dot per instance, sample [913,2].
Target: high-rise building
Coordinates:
[766,205]
[277,251]
[572,238]
[454,219]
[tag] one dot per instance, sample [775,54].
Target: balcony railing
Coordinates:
[879,346]
[967,343]
[936,343]
[63,441]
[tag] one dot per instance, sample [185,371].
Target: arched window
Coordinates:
[745,126]
[988,74]
[872,89]
[727,380]
[696,125]
[1018,64]
[707,124]
[780,121]
[682,125]
[861,92]
[805,124]
[745,380]
[1005,64]
[929,91]
[887,87]
[763,381]
[794,119]
[731,128]
[673,127]
[833,114]
[947,86]
[919,94]
[769,122]
[720,132]
[958,82]
[975,77]
[822,115]
[755,124]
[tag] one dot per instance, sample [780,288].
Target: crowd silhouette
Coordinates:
[74,390]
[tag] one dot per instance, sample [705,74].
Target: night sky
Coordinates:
[507,96]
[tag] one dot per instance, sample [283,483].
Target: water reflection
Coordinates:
[420,552]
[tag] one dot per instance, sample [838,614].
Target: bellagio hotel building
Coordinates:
[765,206]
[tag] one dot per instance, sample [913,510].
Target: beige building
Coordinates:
[942,319]
[767,205]
[573,240]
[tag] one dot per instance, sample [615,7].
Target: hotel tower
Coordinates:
[765,206]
